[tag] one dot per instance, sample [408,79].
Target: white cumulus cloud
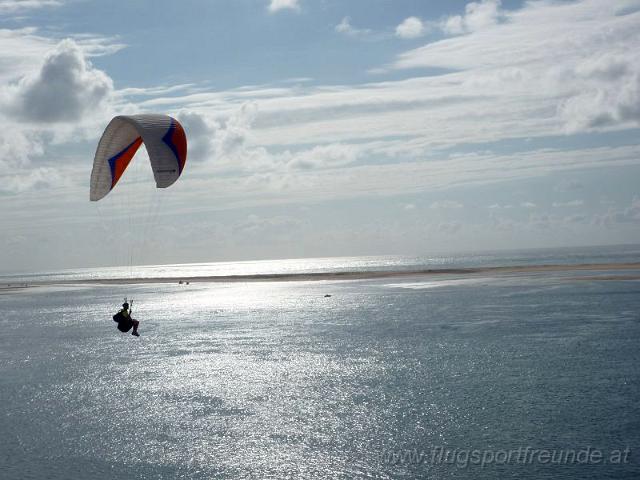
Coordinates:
[411,27]
[277,5]
[217,139]
[477,16]
[346,28]
[66,88]
[611,93]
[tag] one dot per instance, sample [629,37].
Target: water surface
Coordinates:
[274,380]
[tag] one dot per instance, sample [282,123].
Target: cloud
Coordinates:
[408,206]
[501,223]
[228,140]
[50,96]
[411,27]
[65,89]
[20,6]
[630,214]
[575,61]
[267,178]
[568,186]
[256,226]
[277,5]
[346,28]
[33,179]
[22,52]
[449,228]
[569,204]
[445,204]
[611,93]
[97,45]
[235,130]
[477,16]
[201,135]
[156,91]
[323,156]
[290,133]
[487,91]
[541,221]
[528,205]
[18,147]
[579,218]
[218,139]
[497,206]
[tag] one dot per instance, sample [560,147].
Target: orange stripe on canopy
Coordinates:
[122,162]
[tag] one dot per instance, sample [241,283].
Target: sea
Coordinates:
[527,375]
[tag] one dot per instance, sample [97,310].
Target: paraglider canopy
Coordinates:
[163,137]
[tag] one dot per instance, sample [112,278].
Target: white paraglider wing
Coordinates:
[163,137]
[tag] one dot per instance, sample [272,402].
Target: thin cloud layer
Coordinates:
[34,179]
[21,6]
[21,54]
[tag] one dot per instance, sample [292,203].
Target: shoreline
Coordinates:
[350,275]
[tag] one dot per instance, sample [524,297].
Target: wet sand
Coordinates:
[607,277]
[7,287]
[365,275]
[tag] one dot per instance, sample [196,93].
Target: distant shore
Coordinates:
[355,275]
[10,287]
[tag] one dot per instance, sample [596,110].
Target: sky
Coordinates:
[320,127]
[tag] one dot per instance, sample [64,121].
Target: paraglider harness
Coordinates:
[124,322]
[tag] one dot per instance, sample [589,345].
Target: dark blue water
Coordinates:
[273,380]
